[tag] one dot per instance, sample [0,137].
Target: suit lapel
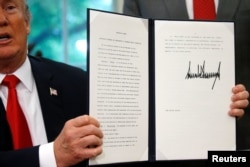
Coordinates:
[51,105]
[5,134]
[227,9]
[176,9]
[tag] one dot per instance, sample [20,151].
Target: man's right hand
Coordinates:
[80,139]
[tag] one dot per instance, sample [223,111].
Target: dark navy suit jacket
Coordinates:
[71,101]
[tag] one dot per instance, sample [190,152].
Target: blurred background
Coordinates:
[58,28]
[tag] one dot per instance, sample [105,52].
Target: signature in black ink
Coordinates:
[201,73]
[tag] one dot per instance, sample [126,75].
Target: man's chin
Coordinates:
[8,52]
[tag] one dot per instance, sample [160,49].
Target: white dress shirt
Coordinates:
[189,4]
[30,104]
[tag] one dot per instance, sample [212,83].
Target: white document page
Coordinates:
[119,85]
[194,75]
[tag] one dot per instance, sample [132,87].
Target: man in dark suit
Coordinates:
[179,9]
[227,10]
[53,97]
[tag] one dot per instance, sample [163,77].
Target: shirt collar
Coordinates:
[24,74]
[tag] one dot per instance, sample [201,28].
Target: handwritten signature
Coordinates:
[201,73]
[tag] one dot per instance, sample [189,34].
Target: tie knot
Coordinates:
[10,81]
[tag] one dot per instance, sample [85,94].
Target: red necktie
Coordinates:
[204,9]
[17,122]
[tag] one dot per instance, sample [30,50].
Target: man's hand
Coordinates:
[80,139]
[239,101]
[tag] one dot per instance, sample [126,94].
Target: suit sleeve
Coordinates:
[24,157]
